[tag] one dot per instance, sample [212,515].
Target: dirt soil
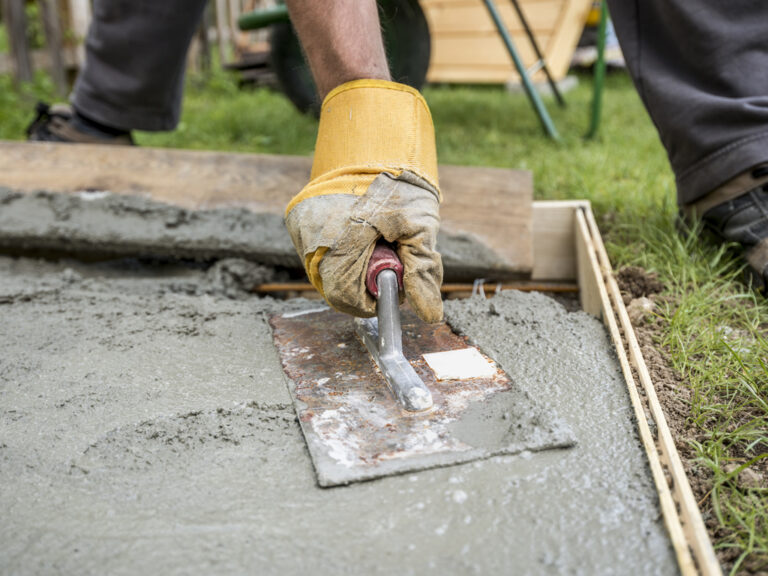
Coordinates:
[675,395]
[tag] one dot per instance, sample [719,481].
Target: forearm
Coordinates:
[342,40]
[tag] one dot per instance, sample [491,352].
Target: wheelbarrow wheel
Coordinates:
[406,38]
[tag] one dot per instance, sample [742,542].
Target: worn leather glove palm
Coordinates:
[374,176]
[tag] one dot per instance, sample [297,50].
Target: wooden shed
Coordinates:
[467,48]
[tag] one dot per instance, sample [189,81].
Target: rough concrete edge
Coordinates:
[176,232]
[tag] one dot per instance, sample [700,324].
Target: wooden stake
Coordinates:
[222,29]
[53,40]
[16,23]
[559,287]
[80,12]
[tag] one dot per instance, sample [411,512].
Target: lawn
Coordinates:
[707,324]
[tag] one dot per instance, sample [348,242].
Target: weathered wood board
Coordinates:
[486,215]
[466,47]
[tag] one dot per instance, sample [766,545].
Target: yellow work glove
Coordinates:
[374,176]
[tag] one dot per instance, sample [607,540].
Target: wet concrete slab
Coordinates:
[145,426]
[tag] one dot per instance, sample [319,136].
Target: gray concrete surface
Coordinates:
[98,223]
[145,428]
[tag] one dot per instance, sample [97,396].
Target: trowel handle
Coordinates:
[383,258]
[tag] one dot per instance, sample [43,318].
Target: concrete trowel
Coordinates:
[383,336]
[392,394]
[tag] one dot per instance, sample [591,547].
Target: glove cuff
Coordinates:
[375,126]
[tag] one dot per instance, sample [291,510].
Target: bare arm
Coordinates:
[342,40]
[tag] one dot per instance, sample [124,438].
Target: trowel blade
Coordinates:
[355,429]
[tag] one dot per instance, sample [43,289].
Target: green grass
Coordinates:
[713,326]
[715,331]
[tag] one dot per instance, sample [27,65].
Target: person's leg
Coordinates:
[135,61]
[701,68]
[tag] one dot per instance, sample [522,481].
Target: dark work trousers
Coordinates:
[700,66]
[135,59]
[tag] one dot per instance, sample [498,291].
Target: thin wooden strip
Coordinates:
[694,523]
[449,288]
[667,503]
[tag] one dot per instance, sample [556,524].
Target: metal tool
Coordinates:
[383,335]
[359,426]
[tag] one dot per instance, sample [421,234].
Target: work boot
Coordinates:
[738,212]
[61,123]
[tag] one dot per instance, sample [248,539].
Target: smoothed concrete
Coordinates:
[145,427]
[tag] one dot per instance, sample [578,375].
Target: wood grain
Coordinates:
[466,47]
[490,206]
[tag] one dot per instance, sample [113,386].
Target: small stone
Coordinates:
[639,309]
[69,276]
[749,478]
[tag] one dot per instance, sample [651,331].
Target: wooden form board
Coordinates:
[466,46]
[491,206]
[573,248]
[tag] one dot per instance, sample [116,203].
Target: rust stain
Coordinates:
[349,417]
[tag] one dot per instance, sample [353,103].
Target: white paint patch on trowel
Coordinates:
[93,194]
[460,364]
[305,312]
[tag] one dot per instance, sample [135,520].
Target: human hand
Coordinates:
[374,176]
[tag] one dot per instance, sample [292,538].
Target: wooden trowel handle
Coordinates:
[383,258]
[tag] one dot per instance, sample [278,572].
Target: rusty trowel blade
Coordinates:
[354,428]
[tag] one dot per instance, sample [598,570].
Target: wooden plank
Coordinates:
[465,41]
[80,13]
[588,237]
[446,288]
[16,25]
[589,281]
[485,50]
[485,207]
[560,46]
[49,10]
[448,19]
[553,232]
[693,524]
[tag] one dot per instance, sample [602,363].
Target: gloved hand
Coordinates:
[374,176]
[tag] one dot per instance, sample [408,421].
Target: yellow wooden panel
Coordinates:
[477,75]
[464,38]
[560,51]
[483,50]
[448,18]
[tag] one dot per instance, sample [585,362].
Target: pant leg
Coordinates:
[135,60]
[701,68]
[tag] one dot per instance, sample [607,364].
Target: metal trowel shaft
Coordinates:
[383,336]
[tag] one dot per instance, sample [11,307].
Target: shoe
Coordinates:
[744,219]
[61,123]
